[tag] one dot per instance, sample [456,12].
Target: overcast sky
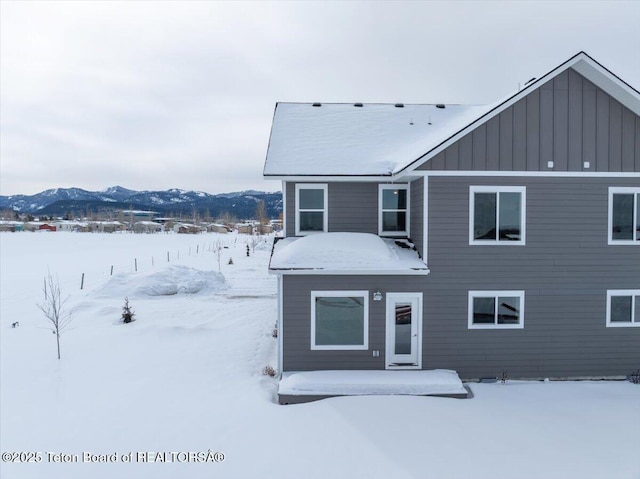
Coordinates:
[157,95]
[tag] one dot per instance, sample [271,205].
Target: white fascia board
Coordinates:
[558,174]
[581,62]
[280,328]
[327,272]
[609,82]
[339,178]
[425,221]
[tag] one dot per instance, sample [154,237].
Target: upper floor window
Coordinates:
[623,307]
[497,215]
[496,309]
[624,215]
[393,210]
[311,208]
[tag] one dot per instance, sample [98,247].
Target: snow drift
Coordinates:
[166,281]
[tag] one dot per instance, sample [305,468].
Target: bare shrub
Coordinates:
[54,309]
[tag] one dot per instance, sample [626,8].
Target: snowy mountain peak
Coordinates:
[60,201]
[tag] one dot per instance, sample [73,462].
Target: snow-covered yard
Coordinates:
[185,377]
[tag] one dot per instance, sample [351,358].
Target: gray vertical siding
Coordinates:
[565,269]
[416,215]
[568,120]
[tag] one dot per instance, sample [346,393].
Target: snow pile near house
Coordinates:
[437,381]
[165,281]
[345,251]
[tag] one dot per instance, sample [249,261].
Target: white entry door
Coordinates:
[404,330]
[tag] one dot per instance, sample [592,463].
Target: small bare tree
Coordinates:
[261,216]
[53,307]
[218,249]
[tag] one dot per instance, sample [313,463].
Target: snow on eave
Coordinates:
[344,253]
[581,62]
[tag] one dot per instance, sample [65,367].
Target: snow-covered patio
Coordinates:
[305,386]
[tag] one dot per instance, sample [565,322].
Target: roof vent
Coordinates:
[359,105]
[317,104]
[399,105]
[440,105]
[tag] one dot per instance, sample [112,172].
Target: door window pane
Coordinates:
[311,199]
[484,310]
[508,310]
[509,220]
[339,321]
[636,314]
[620,309]
[484,221]
[403,328]
[622,221]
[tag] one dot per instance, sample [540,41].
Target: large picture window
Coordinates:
[623,308]
[311,208]
[624,215]
[497,215]
[496,309]
[339,320]
[393,210]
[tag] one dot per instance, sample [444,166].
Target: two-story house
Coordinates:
[480,239]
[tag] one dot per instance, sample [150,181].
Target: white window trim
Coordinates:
[473,189]
[635,296]
[383,187]
[340,294]
[325,210]
[624,190]
[495,294]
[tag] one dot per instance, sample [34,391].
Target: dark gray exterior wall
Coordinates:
[565,269]
[353,207]
[416,214]
[297,353]
[568,120]
[290,210]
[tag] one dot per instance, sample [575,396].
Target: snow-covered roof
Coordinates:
[344,139]
[345,253]
[356,139]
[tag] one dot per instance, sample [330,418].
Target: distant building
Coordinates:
[147,227]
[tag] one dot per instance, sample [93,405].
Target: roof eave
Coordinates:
[353,272]
[322,177]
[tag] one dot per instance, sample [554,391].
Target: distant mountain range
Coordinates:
[61,201]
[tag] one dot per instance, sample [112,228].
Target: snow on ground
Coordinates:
[186,377]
